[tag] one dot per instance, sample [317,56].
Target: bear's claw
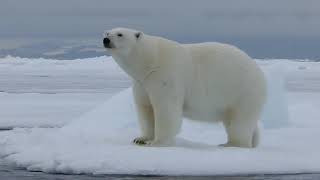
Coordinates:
[140,141]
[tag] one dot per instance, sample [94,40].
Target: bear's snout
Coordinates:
[106,43]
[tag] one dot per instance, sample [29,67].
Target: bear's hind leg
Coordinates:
[241,126]
[238,135]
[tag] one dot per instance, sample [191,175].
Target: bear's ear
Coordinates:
[138,35]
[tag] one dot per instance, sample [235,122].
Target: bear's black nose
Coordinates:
[106,42]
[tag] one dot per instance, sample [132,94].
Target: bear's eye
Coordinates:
[119,35]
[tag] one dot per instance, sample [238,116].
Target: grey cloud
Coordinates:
[176,18]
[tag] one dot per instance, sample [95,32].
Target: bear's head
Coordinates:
[121,40]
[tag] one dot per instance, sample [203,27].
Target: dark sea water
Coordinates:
[9,173]
[74,48]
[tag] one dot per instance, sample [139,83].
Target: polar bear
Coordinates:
[206,82]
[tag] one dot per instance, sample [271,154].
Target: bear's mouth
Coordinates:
[108,46]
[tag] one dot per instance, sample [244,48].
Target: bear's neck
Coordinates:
[140,63]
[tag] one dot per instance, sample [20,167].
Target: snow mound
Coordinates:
[100,143]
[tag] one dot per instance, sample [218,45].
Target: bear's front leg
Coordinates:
[145,115]
[146,121]
[168,120]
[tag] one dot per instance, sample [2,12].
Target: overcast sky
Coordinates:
[175,19]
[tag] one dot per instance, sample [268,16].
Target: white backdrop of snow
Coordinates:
[100,143]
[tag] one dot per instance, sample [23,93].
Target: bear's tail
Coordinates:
[255,137]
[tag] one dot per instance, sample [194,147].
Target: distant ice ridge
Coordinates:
[275,113]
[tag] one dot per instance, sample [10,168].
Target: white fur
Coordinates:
[206,82]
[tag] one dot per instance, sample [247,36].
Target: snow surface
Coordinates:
[93,75]
[99,142]
[45,110]
[47,93]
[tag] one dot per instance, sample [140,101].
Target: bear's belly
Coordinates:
[210,90]
[208,98]
[203,110]
[206,116]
